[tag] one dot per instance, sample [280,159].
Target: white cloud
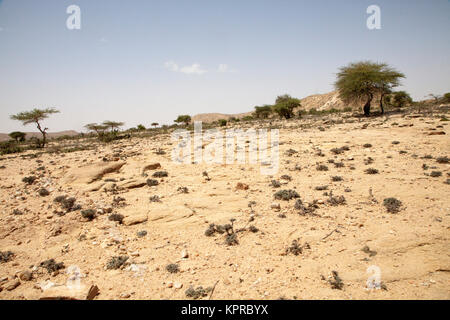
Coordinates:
[172,66]
[192,69]
[224,68]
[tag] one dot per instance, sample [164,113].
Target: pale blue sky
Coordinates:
[116,67]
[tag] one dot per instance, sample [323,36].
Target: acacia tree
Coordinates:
[141,127]
[36,116]
[18,136]
[400,98]
[155,124]
[186,119]
[285,105]
[113,125]
[99,129]
[363,80]
[446,97]
[263,112]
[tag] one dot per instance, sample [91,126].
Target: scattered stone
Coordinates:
[275,206]
[25,275]
[29,180]
[142,234]
[12,285]
[443,160]
[242,186]
[178,285]
[43,192]
[160,174]
[116,217]
[152,182]
[183,190]
[367,250]
[436,174]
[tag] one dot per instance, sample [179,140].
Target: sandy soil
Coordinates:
[410,248]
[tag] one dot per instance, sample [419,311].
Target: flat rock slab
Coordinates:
[135,219]
[91,173]
[66,293]
[133,184]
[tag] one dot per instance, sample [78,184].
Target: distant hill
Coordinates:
[5,137]
[323,101]
[317,101]
[211,117]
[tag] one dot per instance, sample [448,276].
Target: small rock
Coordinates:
[12,285]
[184,254]
[178,285]
[25,275]
[275,206]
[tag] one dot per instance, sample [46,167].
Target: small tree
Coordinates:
[18,136]
[446,98]
[155,124]
[263,112]
[436,97]
[362,80]
[285,105]
[36,116]
[113,125]
[400,99]
[141,127]
[186,119]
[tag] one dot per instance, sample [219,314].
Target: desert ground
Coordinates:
[116,240]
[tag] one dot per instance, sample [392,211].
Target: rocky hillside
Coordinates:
[324,101]
[319,102]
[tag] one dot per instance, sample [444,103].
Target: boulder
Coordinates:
[135,219]
[92,172]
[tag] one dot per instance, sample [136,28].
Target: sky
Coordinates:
[144,61]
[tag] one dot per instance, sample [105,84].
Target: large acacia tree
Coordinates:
[99,129]
[184,118]
[36,116]
[363,80]
[114,125]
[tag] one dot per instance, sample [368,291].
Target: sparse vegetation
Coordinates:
[286,195]
[392,205]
